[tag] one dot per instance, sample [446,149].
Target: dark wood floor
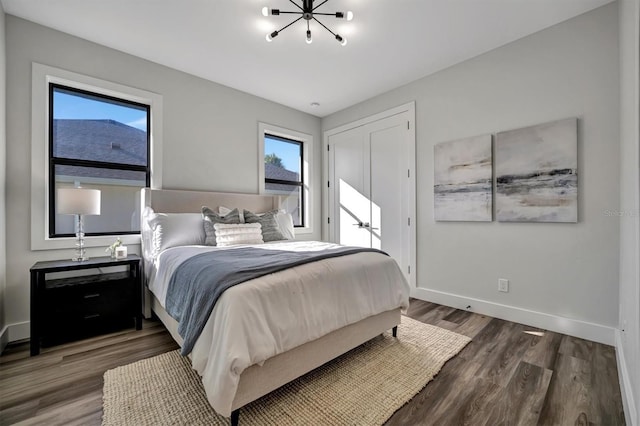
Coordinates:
[510,374]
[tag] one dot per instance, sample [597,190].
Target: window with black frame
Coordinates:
[101,142]
[283,171]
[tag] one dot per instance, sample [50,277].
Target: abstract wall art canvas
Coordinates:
[462,180]
[537,173]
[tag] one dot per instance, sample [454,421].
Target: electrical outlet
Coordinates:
[503,285]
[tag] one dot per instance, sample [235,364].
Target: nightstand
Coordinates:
[71,308]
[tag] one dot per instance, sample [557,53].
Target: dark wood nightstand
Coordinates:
[66,309]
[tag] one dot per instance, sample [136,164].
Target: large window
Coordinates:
[57,166]
[283,174]
[284,169]
[101,142]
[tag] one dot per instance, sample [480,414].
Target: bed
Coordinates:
[313,315]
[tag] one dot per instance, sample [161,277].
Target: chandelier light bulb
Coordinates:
[349,15]
[271,36]
[309,39]
[265,11]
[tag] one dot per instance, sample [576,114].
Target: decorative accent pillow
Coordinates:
[270,229]
[284,219]
[211,218]
[172,230]
[244,233]
[223,211]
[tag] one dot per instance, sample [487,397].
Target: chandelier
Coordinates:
[308,13]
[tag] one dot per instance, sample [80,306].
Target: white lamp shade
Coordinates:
[78,201]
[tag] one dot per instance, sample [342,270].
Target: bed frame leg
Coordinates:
[394,331]
[235,417]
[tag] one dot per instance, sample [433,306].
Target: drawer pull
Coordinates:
[91,316]
[89,296]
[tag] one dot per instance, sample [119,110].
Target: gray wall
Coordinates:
[568,70]
[209,131]
[3,166]
[629,349]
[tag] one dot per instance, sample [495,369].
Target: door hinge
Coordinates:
[408,173]
[328,184]
[329,220]
[408,221]
[328,148]
[409,269]
[407,125]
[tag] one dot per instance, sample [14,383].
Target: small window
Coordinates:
[101,142]
[283,174]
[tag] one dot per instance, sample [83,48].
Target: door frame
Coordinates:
[410,110]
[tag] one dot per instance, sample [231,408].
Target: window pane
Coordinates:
[88,127]
[120,198]
[282,159]
[291,199]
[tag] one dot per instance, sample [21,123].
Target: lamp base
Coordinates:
[80,252]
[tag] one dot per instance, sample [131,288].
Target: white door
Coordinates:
[387,140]
[351,188]
[370,181]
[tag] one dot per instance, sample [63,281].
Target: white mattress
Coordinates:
[264,317]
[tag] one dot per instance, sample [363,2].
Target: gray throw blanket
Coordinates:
[199,281]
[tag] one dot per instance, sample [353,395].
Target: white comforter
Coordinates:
[264,317]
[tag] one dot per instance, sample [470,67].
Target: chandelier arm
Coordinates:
[324,14]
[290,13]
[325,27]
[318,5]
[296,4]
[289,24]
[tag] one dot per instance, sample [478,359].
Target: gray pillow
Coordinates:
[211,218]
[270,229]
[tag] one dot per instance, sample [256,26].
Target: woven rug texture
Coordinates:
[365,386]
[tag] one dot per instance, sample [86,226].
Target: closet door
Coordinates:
[369,186]
[351,186]
[388,185]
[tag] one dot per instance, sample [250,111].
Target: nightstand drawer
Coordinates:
[112,297]
[66,328]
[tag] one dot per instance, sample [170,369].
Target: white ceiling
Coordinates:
[390,42]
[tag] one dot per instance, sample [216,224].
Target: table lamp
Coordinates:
[79,201]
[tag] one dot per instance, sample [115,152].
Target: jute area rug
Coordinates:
[362,387]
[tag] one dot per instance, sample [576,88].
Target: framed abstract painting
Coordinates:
[537,173]
[463,179]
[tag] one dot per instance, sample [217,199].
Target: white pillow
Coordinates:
[285,223]
[173,230]
[232,234]
[284,219]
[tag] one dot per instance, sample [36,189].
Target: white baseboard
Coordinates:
[4,338]
[19,331]
[628,401]
[572,327]
[14,332]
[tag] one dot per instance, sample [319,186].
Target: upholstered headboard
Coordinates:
[179,201]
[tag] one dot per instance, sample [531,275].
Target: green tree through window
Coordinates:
[273,159]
